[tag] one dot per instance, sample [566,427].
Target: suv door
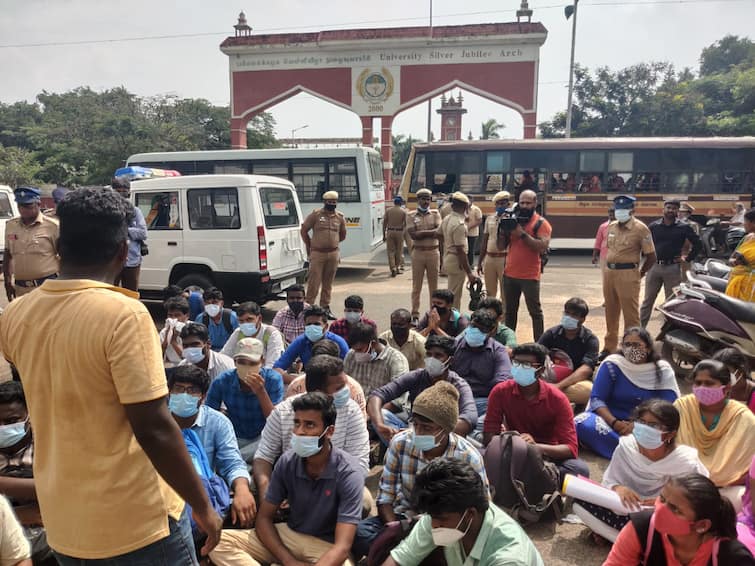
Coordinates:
[285,250]
[162,213]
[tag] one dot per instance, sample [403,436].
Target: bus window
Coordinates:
[160,210]
[563,182]
[376,169]
[232,168]
[707,182]
[619,182]
[737,182]
[676,181]
[648,182]
[528,180]
[443,167]
[309,179]
[470,168]
[591,183]
[342,178]
[213,209]
[497,167]
[591,167]
[419,173]
[620,167]
[272,168]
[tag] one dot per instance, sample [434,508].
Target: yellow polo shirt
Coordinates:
[84,349]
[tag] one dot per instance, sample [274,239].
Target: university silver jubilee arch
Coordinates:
[378,73]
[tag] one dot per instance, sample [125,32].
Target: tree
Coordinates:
[402,146]
[18,166]
[491,129]
[726,53]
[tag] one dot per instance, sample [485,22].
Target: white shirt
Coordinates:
[218,363]
[271,339]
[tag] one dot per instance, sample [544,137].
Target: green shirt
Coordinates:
[505,336]
[501,542]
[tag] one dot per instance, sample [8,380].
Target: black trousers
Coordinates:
[512,291]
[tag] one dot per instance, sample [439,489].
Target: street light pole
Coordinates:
[293,131]
[571,64]
[430,102]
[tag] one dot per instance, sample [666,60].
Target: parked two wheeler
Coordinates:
[719,238]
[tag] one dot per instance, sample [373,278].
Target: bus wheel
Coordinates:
[195,279]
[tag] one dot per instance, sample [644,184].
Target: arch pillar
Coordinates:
[367,134]
[386,151]
[530,125]
[238,133]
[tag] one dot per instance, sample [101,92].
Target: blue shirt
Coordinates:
[218,333]
[219,442]
[244,408]
[317,505]
[482,368]
[137,233]
[302,348]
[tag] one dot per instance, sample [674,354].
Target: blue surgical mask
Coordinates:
[183,404]
[500,210]
[313,332]
[341,397]
[248,328]
[193,355]
[647,436]
[424,442]
[306,446]
[474,337]
[523,376]
[623,215]
[569,322]
[423,209]
[12,434]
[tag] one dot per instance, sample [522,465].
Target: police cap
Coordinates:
[624,201]
[27,195]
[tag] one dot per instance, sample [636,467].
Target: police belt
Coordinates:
[667,262]
[325,250]
[394,229]
[622,265]
[34,282]
[425,248]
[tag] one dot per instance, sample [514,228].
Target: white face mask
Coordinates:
[434,367]
[212,310]
[443,536]
[623,215]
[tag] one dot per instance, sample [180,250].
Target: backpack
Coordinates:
[225,320]
[214,485]
[523,484]
[726,552]
[543,256]
[391,536]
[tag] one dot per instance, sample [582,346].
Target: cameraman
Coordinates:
[528,241]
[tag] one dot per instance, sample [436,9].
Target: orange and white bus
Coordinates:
[577,179]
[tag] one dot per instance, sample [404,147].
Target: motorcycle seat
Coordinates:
[716,283]
[718,269]
[742,311]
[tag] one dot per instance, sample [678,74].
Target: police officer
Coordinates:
[423,224]
[453,231]
[394,224]
[670,236]
[328,228]
[629,240]
[31,245]
[492,258]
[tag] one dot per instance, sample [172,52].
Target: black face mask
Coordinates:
[296,306]
[330,207]
[441,310]
[400,333]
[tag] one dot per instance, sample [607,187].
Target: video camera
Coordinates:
[512,217]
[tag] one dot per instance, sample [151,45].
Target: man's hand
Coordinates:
[244,508]
[518,231]
[254,381]
[471,277]
[433,320]
[211,524]
[386,431]
[295,562]
[595,260]
[10,290]
[480,269]
[527,438]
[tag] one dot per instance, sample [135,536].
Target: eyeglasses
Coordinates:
[527,365]
[656,426]
[191,390]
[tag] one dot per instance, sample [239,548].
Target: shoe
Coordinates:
[401,269]
[394,273]
[330,314]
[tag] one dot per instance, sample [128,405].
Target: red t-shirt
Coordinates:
[523,262]
[548,418]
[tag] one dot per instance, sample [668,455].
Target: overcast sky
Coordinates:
[615,33]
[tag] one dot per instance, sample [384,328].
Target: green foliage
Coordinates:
[654,99]
[402,146]
[83,136]
[491,129]
[18,166]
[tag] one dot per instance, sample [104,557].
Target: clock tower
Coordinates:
[451,112]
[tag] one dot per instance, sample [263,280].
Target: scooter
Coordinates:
[713,274]
[700,321]
[719,239]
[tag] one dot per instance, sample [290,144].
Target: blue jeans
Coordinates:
[177,549]
[392,420]
[367,531]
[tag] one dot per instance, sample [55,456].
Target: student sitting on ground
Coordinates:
[746,517]
[188,386]
[435,414]
[195,341]
[405,339]
[578,342]
[353,312]
[14,548]
[539,412]
[458,517]
[323,486]
[249,393]
[504,335]
[641,464]
[251,326]
[290,319]
[743,388]
[370,361]
[442,318]
[177,313]
[440,350]
[220,321]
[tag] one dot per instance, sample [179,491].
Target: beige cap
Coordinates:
[502,195]
[687,207]
[461,197]
[250,349]
[424,192]
[330,195]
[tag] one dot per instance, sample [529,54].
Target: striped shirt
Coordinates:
[350,433]
[389,364]
[403,462]
[291,325]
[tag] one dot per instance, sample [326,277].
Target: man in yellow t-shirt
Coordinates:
[111,467]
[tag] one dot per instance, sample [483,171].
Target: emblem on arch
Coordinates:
[375,86]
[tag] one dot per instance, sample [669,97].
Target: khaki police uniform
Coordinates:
[34,251]
[495,259]
[454,231]
[395,224]
[326,229]
[445,210]
[425,254]
[626,243]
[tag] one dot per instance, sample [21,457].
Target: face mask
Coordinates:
[306,446]
[248,328]
[212,310]
[352,316]
[296,306]
[365,357]
[330,207]
[635,354]
[400,333]
[183,404]
[441,310]
[523,376]
[474,337]
[569,323]
[423,209]
[247,370]
[193,355]
[443,536]
[313,332]
[12,434]
[341,397]
[424,442]
[709,395]
[434,367]
[647,436]
[668,523]
[623,215]
[500,210]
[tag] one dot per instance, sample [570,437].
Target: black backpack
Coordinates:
[523,484]
[226,320]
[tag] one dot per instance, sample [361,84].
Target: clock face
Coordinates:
[451,121]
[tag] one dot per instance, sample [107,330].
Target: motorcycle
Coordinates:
[719,239]
[713,274]
[700,320]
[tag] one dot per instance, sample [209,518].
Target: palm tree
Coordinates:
[491,129]
[402,145]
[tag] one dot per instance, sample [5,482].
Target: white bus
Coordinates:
[356,173]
